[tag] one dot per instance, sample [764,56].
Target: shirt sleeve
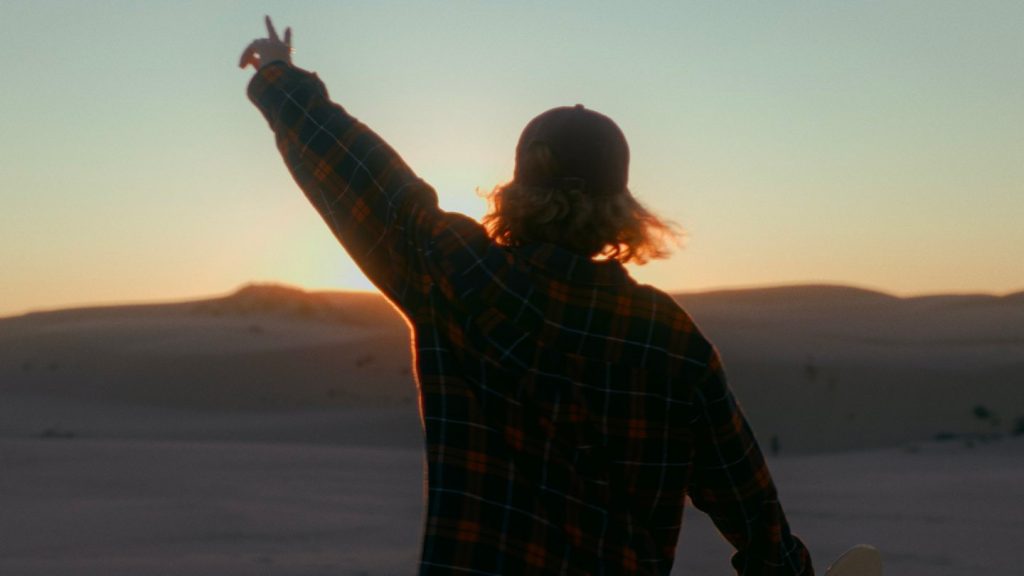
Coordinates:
[731,483]
[386,217]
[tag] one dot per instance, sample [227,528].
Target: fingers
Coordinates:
[249,57]
[270,29]
[269,48]
[255,53]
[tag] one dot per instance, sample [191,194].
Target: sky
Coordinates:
[875,144]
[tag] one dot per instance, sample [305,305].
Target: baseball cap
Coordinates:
[587,146]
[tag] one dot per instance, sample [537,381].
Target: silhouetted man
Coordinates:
[567,409]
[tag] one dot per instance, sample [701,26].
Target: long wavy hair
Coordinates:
[597,223]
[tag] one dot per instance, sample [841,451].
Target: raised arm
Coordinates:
[731,484]
[372,202]
[381,212]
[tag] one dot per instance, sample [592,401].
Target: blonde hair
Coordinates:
[597,223]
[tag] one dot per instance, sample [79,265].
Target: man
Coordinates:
[567,409]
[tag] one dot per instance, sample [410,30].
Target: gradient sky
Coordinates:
[879,144]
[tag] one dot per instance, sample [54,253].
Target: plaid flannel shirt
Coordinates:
[568,411]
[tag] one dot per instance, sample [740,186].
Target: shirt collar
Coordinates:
[571,267]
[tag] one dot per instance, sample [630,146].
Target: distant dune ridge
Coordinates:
[276,431]
[816,367]
[832,367]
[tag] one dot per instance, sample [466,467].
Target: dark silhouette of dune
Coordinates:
[806,295]
[263,347]
[357,308]
[821,367]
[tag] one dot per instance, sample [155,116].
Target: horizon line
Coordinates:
[739,288]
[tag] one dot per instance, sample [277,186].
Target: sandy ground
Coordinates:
[128,507]
[276,432]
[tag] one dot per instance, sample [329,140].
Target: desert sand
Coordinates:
[276,431]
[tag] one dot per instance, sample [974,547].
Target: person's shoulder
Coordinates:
[684,339]
[664,303]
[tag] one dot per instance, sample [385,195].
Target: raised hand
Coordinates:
[263,51]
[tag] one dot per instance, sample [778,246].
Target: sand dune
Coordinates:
[275,431]
[821,368]
[263,347]
[828,368]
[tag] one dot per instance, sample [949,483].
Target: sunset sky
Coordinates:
[878,144]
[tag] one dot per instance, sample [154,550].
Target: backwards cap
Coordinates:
[587,146]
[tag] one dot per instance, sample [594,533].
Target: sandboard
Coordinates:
[861,560]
